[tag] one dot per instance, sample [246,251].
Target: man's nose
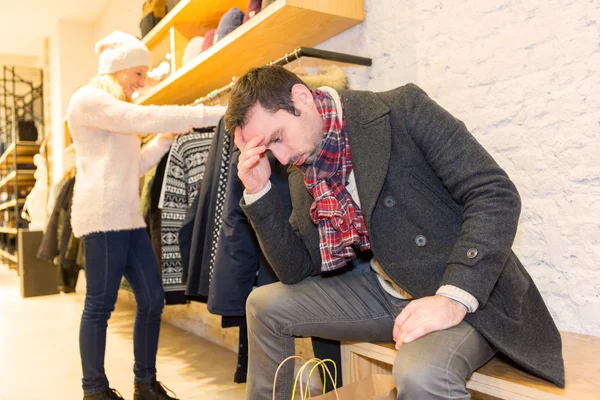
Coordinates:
[282,157]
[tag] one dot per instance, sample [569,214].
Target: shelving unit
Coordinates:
[12,203]
[9,256]
[281,27]
[20,100]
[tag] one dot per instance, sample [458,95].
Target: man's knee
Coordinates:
[261,306]
[424,378]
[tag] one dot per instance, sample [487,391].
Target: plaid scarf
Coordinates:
[340,221]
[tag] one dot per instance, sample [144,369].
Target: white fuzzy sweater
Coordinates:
[106,133]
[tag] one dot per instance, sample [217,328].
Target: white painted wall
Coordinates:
[524,75]
[19,60]
[121,15]
[72,64]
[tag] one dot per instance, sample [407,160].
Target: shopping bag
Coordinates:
[373,387]
[307,369]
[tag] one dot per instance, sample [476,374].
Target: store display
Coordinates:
[21,126]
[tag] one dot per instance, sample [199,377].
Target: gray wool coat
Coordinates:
[439,211]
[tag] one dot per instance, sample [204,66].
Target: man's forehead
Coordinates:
[259,121]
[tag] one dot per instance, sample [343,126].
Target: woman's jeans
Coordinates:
[108,257]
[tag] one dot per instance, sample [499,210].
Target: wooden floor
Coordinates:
[39,351]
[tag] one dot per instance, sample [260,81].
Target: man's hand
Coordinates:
[253,168]
[429,314]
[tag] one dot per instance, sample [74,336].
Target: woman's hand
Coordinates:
[169,136]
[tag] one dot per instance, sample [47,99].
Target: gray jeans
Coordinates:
[352,306]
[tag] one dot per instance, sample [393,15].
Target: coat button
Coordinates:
[389,201]
[421,240]
[472,253]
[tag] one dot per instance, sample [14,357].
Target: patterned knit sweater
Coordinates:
[106,133]
[183,176]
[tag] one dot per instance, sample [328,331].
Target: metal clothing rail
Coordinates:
[295,55]
[323,55]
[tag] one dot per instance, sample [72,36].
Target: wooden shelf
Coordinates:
[192,13]
[9,256]
[11,204]
[23,149]
[25,175]
[12,231]
[276,30]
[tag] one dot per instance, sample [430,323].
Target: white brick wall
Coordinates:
[524,75]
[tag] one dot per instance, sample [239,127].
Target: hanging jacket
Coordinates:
[183,176]
[207,219]
[239,262]
[56,240]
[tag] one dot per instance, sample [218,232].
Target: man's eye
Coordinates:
[279,139]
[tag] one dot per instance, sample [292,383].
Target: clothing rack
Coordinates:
[216,93]
[322,55]
[293,56]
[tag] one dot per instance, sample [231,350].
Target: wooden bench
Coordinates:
[497,379]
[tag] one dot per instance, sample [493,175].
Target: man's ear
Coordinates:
[301,96]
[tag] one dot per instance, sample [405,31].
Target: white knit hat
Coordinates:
[120,51]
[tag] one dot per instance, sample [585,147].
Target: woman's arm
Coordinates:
[153,151]
[96,108]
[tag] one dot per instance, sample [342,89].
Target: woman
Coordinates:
[106,129]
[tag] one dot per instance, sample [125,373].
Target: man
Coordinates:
[402,228]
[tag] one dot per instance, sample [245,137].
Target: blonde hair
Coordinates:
[108,83]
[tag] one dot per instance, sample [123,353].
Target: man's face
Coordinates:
[292,139]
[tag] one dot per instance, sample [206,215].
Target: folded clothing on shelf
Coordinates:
[171,4]
[152,12]
[254,7]
[228,23]
[209,38]
[193,49]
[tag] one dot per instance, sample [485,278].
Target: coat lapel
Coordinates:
[368,128]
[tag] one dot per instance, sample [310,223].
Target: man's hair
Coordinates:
[269,86]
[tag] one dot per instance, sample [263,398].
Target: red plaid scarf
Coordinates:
[339,219]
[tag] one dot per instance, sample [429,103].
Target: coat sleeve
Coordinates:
[280,239]
[236,259]
[490,201]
